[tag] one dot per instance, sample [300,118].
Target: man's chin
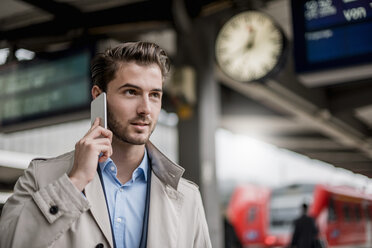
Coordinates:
[135,140]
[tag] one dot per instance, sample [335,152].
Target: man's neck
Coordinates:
[127,158]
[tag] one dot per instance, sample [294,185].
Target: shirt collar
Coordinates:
[142,168]
[144,165]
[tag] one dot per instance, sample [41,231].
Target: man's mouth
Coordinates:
[140,125]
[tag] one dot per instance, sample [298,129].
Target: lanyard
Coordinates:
[104,191]
[143,242]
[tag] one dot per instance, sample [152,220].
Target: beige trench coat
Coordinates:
[46,210]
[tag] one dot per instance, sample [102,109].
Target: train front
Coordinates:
[284,208]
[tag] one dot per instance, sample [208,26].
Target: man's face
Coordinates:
[134,102]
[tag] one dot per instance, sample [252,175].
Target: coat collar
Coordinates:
[164,214]
[165,200]
[167,171]
[96,197]
[163,191]
[98,208]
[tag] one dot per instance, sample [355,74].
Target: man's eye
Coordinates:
[130,92]
[156,95]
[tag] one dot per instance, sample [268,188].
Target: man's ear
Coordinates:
[96,91]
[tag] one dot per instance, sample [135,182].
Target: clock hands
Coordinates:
[248,45]
[251,37]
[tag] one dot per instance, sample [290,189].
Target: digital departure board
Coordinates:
[331,33]
[44,89]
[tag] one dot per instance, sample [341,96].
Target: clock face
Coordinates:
[249,46]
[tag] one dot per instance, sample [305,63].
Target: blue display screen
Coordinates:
[331,33]
[339,42]
[325,13]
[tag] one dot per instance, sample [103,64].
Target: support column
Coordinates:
[197,134]
[208,115]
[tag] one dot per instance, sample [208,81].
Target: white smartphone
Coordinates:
[98,108]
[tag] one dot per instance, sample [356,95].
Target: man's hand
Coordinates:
[87,154]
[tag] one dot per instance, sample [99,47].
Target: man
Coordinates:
[116,189]
[305,231]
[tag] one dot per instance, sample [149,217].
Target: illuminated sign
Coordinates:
[44,89]
[331,33]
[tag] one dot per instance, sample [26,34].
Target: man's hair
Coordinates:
[104,65]
[304,207]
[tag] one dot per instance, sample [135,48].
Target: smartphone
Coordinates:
[98,108]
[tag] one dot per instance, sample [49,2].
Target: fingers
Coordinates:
[87,153]
[96,131]
[106,133]
[102,141]
[94,125]
[106,152]
[93,143]
[103,146]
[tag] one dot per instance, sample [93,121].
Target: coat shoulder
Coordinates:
[64,156]
[45,162]
[190,184]
[188,187]
[47,169]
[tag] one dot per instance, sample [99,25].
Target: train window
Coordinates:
[358,213]
[346,211]
[367,212]
[332,211]
[1,208]
[281,217]
[252,214]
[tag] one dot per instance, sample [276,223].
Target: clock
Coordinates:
[249,46]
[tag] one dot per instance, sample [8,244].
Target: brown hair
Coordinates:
[104,65]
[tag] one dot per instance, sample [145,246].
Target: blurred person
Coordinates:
[115,189]
[305,231]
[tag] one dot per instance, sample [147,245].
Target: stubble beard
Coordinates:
[123,134]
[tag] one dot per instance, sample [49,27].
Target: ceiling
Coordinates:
[330,121]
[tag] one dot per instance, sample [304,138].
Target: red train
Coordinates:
[248,214]
[264,218]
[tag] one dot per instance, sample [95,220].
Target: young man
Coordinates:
[116,189]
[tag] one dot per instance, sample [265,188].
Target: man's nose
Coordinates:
[144,107]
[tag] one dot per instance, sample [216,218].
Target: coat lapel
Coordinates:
[165,209]
[165,201]
[96,198]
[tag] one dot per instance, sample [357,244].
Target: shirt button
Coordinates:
[118,220]
[100,245]
[121,190]
[112,168]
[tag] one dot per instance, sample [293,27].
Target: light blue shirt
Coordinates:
[126,202]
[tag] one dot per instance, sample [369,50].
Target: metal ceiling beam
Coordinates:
[350,96]
[321,119]
[349,116]
[338,157]
[266,125]
[131,13]
[303,145]
[58,9]
[235,103]
[288,81]
[355,166]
